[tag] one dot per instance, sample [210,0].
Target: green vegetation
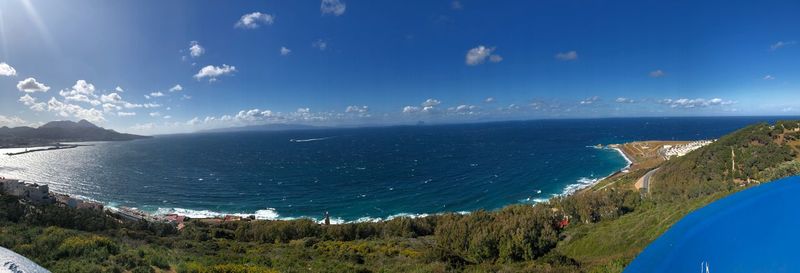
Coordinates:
[600,229]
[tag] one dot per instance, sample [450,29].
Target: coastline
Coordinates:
[270,214]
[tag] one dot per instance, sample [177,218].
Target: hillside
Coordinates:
[600,229]
[59,131]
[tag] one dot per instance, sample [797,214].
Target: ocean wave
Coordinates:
[582,183]
[310,139]
[263,214]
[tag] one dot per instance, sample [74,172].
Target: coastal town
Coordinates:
[40,194]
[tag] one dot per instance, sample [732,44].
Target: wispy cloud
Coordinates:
[781,44]
[695,103]
[589,100]
[657,73]
[768,77]
[624,100]
[320,44]
[335,7]
[567,56]
[285,51]
[176,88]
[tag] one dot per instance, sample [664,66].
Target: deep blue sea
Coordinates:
[355,174]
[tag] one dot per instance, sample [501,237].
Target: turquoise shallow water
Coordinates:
[355,174]
[755,230]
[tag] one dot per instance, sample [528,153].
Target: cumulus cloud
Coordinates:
[567,56]
[285,51]
[781,44]
[212,72]
[480,54]
[657,73]
[29,101]
[82,91]
[335,7]
[489,100]
[157,94]
[768,77]
[255,20]
[7,70]
[30,85]
[126,114]
[195,49]
[589,100]
[119,89]
[71,110]
[176,88]
[695,103]
[624,100]
[155,114]
[410,109]
[111,98]
[320,44]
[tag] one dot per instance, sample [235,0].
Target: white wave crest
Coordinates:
[310,139]
[263,214]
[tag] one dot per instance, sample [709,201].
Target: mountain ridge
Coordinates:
[60,131]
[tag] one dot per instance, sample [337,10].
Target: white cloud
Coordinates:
[657,73]
[464,109]
[111,98]
[431,103]
[695,103]
[155,114]
[29,101]
[567,56]
[590,100]
[624,100]
[12,121]
[479,54]
[30,85]
[781,44]
[769,77]
[157,94]
[66,110]
[126,114]
[212,72]
[285,51]
[489,100]
[119,89]
[356,109]
[82,91]
[410,109]
[108,107]
[255,20]
[335,7]
[176,88]
[195,49]
[7,70]
[320,44]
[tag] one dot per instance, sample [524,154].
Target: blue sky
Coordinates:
[350,63]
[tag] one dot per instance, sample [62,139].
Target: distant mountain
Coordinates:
[59,131]
[263,128]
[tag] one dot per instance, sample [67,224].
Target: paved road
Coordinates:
[646,179]
[11,262]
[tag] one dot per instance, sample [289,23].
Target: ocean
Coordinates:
[356,174]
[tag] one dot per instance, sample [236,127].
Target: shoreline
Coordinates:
[270,214]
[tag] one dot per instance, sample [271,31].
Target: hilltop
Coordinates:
[59,131]
[599,229]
